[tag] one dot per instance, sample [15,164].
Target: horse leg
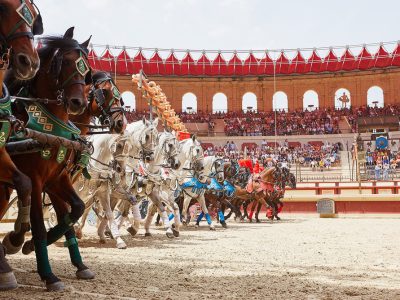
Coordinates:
[7,277]
[220,213]
[185,208]
[253,207]
[203,205]
[134,218]
[258,212]
[105,201]
[79,226]
[14,240]
[39,240]
[177,219]
[83,272]
[151,211]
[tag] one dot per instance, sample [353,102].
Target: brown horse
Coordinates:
[63,75]
[18,24]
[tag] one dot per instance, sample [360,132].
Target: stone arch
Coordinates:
[220,103]
[129,100]
[189,103]
[375,96]
[280,101]
[249,101]
[342,94]
[310,100]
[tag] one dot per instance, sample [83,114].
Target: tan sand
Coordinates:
[297,258]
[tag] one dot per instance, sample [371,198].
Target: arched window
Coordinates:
[129,100]
[342,99]
[220,103]
[280,101]
[189,103]
[375,97]
[249,102]
[310,100]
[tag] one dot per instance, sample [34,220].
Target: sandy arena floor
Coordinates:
[297,258]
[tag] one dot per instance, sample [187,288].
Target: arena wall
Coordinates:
[325,84]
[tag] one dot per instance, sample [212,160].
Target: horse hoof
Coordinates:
[147,234]
[212,228]
[258,221]
[131,230]
[250,221]
[224,225]
[28,247]
[8,281]
[86,274]
[121,244]
[102,241]
[170,235]
[197,225]
[176,232]
[158,224]
[55,287]
[277,218]
[10,248]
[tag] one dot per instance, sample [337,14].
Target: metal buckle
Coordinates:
[26,14]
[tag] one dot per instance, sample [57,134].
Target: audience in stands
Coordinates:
[318,158]
[250,123]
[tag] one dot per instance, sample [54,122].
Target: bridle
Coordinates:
[108,113]
[147,152]
[27,17]
[167,152]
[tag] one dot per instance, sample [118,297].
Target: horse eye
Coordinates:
[119,146]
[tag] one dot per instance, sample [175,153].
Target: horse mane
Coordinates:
[50,44]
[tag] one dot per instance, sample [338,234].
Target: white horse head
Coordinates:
[144,137]
[167,150]
[191,158]
[214,167]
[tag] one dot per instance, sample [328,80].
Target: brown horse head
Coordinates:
[19,23]
[65,71]
[106,102]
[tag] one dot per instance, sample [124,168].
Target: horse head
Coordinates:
[20,21]
[105,102]
[168,149]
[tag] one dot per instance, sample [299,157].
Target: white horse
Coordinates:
[140,139]
[146,182]
[192,177]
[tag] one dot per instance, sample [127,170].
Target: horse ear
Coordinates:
[155,122]
[69,34]
[85,44]
[193,137]
[144,120]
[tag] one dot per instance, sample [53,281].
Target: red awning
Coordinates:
[235,66]
[396,56]
[124,63]
[172,66]
[282,64]
[331,63]
[314,63]
[347,61]
[382,58]
[364,60]
[140,63]
[219,66]
[203,66]
[266,66]
[187,65]
[156,65]
[298,64]
[107,62]
[94,60]
[250,65]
